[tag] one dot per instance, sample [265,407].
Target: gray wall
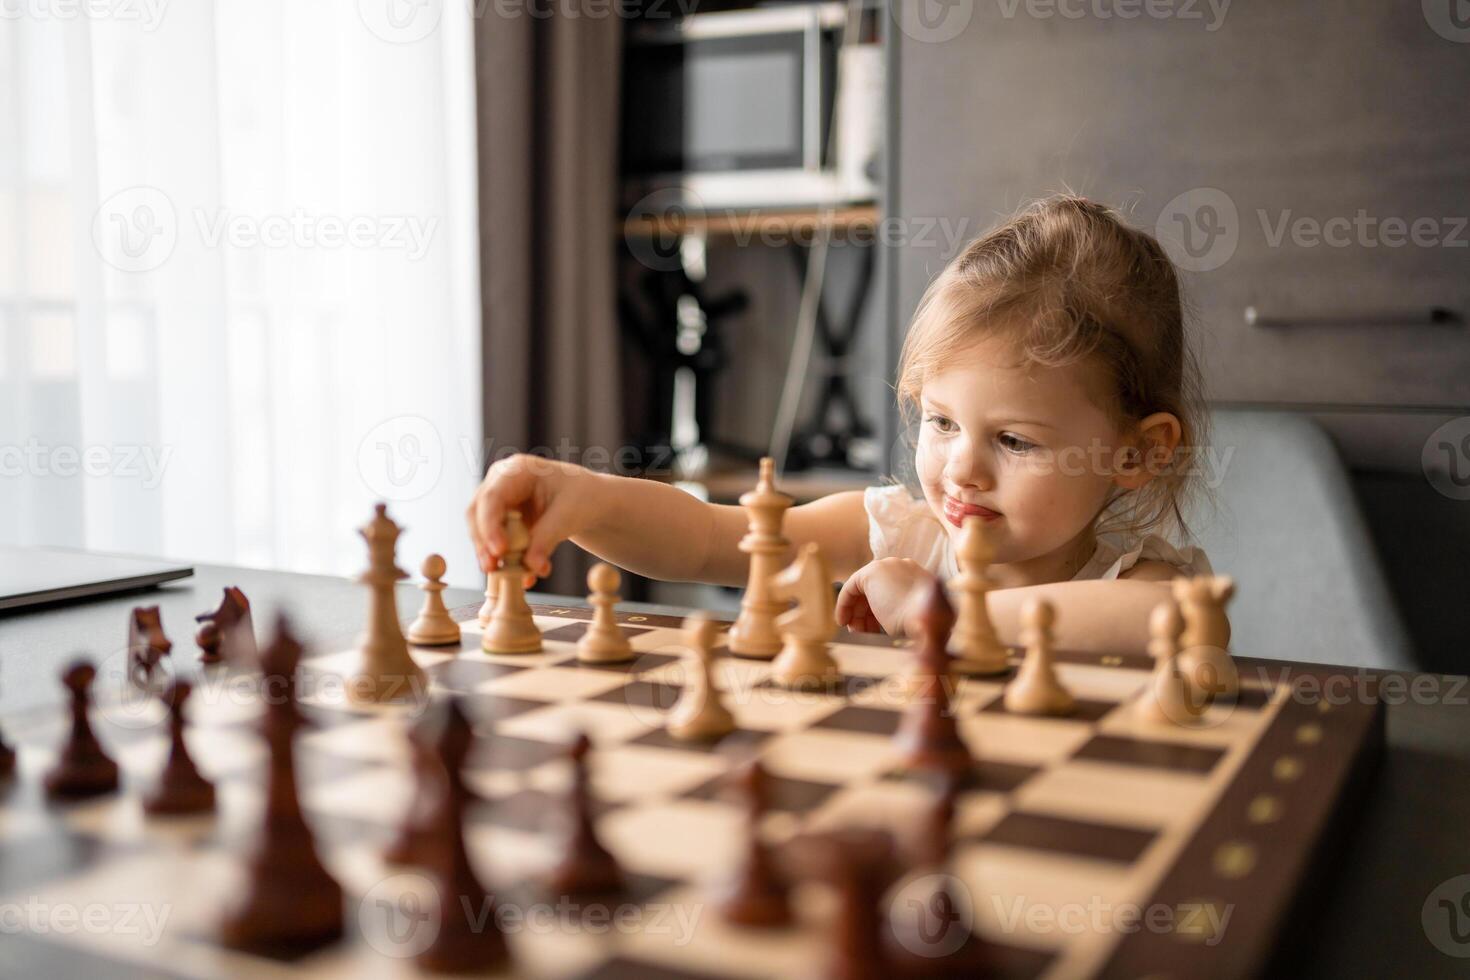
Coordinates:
[1265,110]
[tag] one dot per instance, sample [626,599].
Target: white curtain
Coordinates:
[238,279]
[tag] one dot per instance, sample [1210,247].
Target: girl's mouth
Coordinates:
[955,512]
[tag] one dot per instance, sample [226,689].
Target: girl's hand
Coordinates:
[554,500]
[881,596]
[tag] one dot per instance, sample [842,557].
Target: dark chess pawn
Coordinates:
[83,769]
[209,642]
[928,739]
[288,901]
[757,895]
[468,938]
[181,789]
[934,936]
[861,864]
[7,759]
[416,836]
[586,868]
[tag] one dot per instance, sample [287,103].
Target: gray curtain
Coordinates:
[547,105]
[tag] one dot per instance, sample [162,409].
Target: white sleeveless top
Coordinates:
[903,526]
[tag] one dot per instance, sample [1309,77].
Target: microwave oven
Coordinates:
[735,109]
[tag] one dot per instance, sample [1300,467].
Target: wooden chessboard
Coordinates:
[1067,825]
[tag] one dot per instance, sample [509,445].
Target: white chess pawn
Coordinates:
[604,642]
[978,651]
[492,592]
[512,628]
[1036,689]
[1166,701]
[806,629]
[434,626]
[1204,654]
[699,714]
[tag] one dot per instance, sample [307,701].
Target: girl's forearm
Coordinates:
[659,531]
[1093,616]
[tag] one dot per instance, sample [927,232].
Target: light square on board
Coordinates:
[1220,726]
[1097,683]
[605,723]
[1121,794]
[628,773]
[1026,740]
[827,756]
[691,839]
[382,739]
[554,684]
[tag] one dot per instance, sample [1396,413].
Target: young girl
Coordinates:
[1048,370]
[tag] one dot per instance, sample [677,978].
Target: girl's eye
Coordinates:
[1014,443]
[941,423]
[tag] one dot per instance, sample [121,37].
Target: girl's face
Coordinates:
[1023,446]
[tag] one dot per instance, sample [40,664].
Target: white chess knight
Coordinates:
[807,628]
[1166,699]
[699,714]
[385,671]
[1204,647]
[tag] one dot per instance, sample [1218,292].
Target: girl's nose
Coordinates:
[965,468]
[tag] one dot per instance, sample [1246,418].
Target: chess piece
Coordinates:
[288,900]
[468,938]
[434,626]
[928,738]
[235,628]
[754,633]
[7,759]
[699,714]
[181,789]
[210,643]
[1204,648]
[926,941]
[861,864]
[385,670]
[83,769]
[806,629]
[512,629]
[492,594]
[1036,689]
[757,895]
[586,867]
[978,652]
[1166,699]
[147,643]
[415,839]
[604,642]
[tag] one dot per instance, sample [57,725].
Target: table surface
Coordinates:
[1413,832]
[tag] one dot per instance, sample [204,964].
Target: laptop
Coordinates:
[40,576]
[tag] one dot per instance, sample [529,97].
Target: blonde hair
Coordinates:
[1069,281]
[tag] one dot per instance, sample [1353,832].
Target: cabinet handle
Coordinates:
[1434,316]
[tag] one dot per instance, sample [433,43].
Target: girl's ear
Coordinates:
[1149,451]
